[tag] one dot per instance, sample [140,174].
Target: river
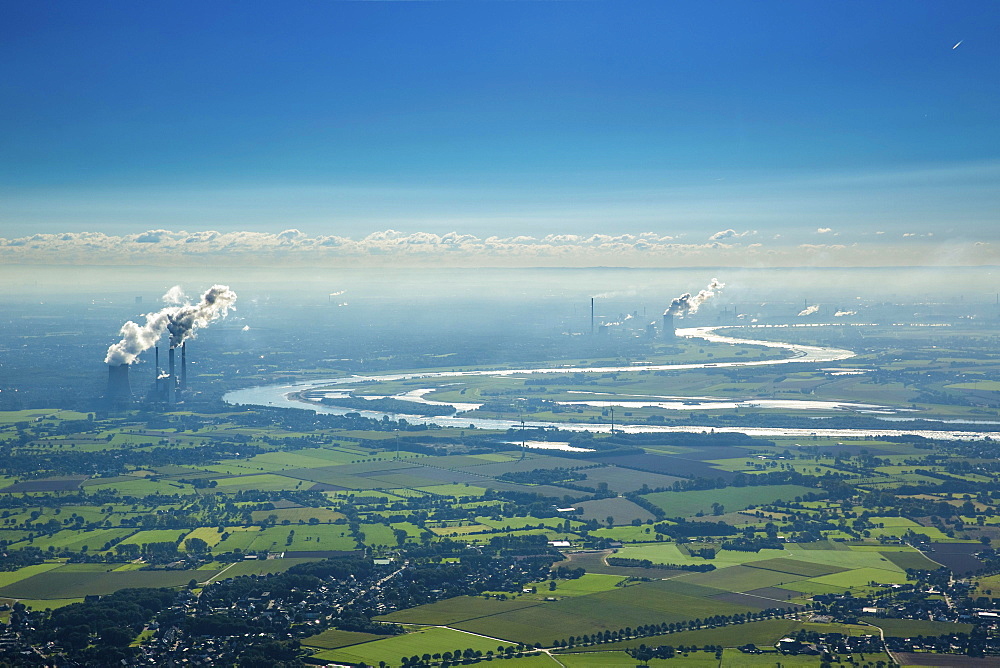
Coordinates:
[280,395]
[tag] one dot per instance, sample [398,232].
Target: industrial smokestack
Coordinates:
[119,391]
[172,380]
[182,322]
[184,367]
[591,315]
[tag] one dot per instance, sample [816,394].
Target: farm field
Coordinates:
[687,504]
[460,609]
[423,641]
[458,528]
[643,603]
[762,634]
[335,638]
[63,583]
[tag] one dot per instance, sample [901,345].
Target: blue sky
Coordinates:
[787,123]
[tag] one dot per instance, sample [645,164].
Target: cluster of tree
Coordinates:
[11,560]
[304,420]
[756,544]
[646,563]
[534,544]
[544,476]
[645,653]
[646,630]
[644,503]
[98,631]
[389,405]
[686,529]
[37,463]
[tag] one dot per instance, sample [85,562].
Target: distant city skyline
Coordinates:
[506,133]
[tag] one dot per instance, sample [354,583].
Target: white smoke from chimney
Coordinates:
[841,314]
[185,321]
[137,338]
[809,310]
[174,296]
[689,304]
[181,321]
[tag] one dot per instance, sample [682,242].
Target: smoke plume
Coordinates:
[809,310]
[174,295]
[180,321]
[688,303]
[185,321]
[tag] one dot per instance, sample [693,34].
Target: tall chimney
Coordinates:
[591,315]
[184,367]
[172,380]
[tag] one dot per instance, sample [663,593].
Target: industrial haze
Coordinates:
[55,331]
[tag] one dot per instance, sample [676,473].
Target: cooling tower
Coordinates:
[668,326]
[119,390]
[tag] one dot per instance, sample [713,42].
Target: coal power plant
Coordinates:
[179,322]
[169,387]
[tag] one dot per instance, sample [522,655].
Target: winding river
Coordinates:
[284,395]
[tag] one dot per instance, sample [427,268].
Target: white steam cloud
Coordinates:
[809,310]
[688,303]
[186,320]
[841,314]
[181,321]
[174,296]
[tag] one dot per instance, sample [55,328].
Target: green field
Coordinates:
[8,578]
[739,578]
[797,567]
[653,602]
[155,536]
[686,504]
[623,660]
[459,609]
[69,583]
[335,638]
[266,482]
[303,538]
[239,537]
[670,553]
[762,634]
[261,567]
[424,641]
[591,583]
